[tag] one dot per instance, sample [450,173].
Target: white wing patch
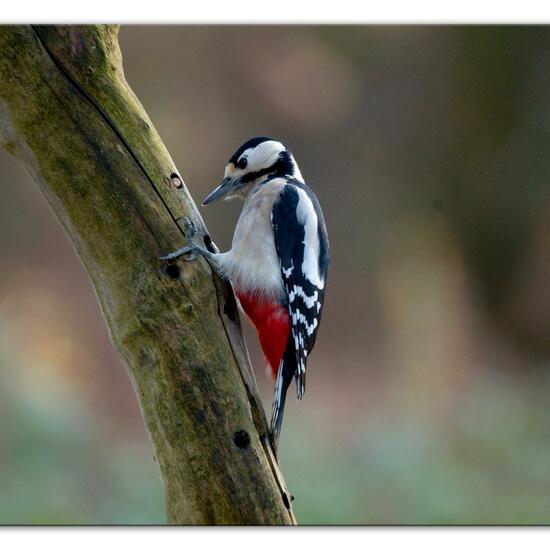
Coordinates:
[305,214]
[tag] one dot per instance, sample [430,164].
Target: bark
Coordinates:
[68,114]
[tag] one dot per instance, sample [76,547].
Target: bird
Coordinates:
[278,261]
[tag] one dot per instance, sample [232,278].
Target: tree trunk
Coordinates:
[68,114]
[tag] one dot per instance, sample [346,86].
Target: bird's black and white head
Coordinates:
[253,163]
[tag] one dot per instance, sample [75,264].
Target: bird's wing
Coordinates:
[302,247]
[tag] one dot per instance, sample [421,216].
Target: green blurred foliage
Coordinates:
[59,466]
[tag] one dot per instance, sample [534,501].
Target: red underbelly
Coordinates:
[273,325]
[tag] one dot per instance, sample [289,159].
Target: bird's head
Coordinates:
[252,163]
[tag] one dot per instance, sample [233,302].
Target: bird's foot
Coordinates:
[191,250]
[190,230]
[187,251]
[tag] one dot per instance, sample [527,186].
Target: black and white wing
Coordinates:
[302,246]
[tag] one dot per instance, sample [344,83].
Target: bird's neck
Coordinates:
[258,183]
[277,174]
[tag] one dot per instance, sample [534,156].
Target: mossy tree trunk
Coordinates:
[68,114]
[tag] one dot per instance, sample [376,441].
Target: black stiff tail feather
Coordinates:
[287,370]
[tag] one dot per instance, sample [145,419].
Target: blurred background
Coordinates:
[428,389]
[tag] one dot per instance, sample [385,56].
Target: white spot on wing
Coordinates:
[288,272]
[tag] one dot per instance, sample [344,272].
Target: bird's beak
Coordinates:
[227,185]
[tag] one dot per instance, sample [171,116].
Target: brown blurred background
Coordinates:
[428,390]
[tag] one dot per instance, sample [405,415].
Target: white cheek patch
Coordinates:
[305,214]
[263,155]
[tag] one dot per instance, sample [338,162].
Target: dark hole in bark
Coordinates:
[241,439]
[172,270]
[176,180]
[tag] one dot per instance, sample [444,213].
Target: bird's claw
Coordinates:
[190,229]
[188,251]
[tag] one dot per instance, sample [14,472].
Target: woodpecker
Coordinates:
[278,260]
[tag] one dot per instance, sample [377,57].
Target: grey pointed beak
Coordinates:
[225,187]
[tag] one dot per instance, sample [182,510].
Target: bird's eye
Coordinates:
[242,163]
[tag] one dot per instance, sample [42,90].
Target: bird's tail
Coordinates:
[287,369]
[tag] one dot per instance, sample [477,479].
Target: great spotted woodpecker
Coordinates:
[278,260]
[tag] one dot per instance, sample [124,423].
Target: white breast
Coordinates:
[252,263]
